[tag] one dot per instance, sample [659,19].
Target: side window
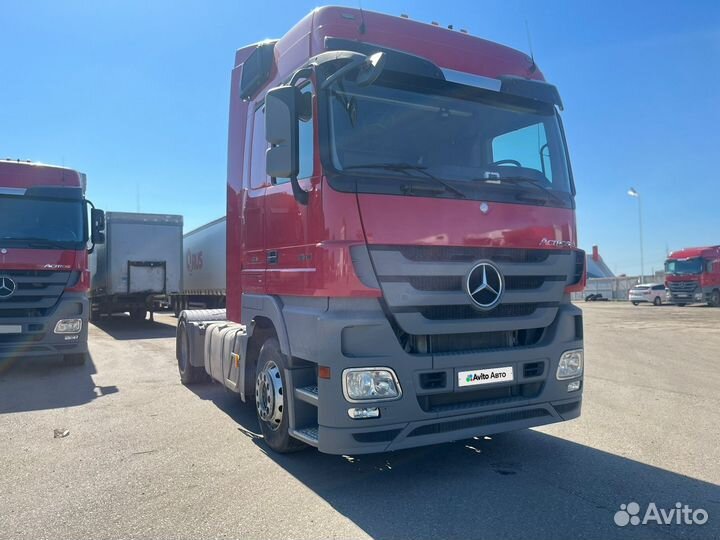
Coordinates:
[258,177]
[527,146]
[659,288]
[307,135]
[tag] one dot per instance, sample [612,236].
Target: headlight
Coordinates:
[68,326]
[571,364]
[370,384]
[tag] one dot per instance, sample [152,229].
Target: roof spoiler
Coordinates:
[403,62]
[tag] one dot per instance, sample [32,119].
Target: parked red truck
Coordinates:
[401,240]
[44,278]
[693,275]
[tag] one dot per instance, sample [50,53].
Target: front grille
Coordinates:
[455,401]
[480,421]
[682,286]
[469,254]
[444,313]
[36,292]
[425,299]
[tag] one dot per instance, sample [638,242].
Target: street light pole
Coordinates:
[634,193]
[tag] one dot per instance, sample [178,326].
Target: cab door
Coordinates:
[252,220]
[289,241]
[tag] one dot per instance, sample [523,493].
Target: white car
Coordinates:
[654,293]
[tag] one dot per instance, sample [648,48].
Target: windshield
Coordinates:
[42,223]
[475,143]
[687,266]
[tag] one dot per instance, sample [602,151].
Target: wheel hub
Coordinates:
[269,395]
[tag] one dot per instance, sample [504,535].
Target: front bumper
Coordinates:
[354,334]
[37,337]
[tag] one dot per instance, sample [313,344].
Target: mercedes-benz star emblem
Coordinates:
[485,284]
[484,207]
[7,287]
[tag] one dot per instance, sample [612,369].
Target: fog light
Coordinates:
[698,296]
[68,326]
[364,412]
[376,383]
[570,365]
[574,386]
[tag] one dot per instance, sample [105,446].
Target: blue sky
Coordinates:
[135,94]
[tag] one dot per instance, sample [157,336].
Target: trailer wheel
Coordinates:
[177,308]
[138,314]
[189,374]
[271,399]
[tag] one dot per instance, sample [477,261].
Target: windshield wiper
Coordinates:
[404,168]
[525,181]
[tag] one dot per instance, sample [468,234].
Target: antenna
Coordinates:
[533,66]
[361,28]
[137,196]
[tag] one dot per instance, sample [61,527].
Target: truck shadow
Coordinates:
[513,485]
[121,327]
[33,384]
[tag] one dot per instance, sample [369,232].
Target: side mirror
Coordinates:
[282,131]
[97,226]
[371,69]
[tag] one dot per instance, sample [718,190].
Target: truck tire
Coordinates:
[681,305]
[189,374]
[76,359]
[271,399]
[657,301]
[177,308]
[715,298]
[138,314]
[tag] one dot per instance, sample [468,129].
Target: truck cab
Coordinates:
[44,278]
[401,240]
[693,276]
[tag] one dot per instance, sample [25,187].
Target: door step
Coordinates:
[308,394]
[308,435]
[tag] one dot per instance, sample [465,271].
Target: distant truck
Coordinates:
[138,266]
[693,276]
[203,283]
[44,278]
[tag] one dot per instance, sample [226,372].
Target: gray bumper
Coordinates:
[352,334]
[37,337]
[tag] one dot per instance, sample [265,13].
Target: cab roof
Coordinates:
[15,173]
[692,252]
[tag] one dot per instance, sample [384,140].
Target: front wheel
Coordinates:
[715,298]
[271,399]
[657,301]
[636,303]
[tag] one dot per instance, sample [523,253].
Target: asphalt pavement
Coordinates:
[118,448]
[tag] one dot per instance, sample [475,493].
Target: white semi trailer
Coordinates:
[203,283]
[139,266]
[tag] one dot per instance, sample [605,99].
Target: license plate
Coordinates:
[10,329]
[485,376]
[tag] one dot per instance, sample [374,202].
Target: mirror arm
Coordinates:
[301,196]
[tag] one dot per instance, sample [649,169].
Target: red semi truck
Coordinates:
[44,278]
[401,240]
[693,276]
